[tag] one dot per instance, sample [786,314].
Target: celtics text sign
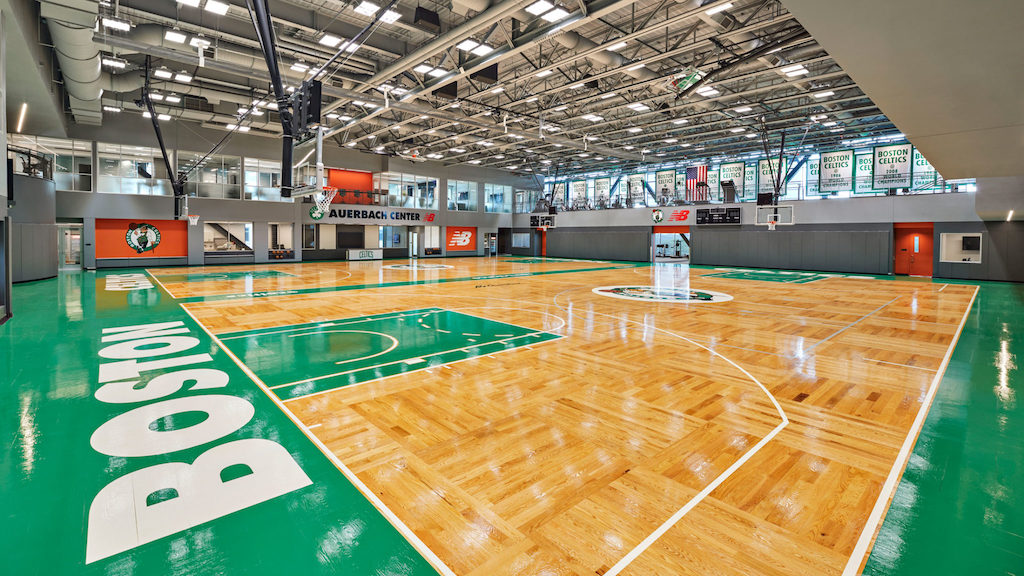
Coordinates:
[836,172]
[892,166]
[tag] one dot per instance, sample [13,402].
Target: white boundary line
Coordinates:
[332,323]
[867,536]
[700,496]
[161,284]
[397,523]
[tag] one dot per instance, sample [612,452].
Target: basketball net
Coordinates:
[193,219]
[771,225]
[323,200]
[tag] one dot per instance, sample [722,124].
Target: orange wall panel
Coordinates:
[111,239]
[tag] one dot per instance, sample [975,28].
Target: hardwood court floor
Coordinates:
[753,436]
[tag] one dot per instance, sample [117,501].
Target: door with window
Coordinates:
[69,246]
[913,248]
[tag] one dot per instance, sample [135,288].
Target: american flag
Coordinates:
[694,175]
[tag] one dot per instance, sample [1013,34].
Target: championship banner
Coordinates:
[681,180]
[766,173]
[665,182]
[813,172]
[925,175]
[862,174]
[117,238]
[558,195]
[636,185]
[578,189]
[601,188]
[836,174]
[713,188]
[461,238]
[893,167]
[749,181]
[733,171]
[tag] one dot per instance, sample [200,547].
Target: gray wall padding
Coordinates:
[1002,252]
[140,262]
[33,229]
[834,248]
[632,244]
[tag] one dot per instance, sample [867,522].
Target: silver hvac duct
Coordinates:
[574,41]
[79,60]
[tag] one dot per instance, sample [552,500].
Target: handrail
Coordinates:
[30,163]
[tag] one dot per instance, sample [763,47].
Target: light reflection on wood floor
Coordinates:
[561,458]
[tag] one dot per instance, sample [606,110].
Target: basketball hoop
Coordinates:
[323,203]
[193,219]
[771,225]
[542,228]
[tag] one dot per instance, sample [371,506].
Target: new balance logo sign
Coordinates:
[461,238]
[679,216]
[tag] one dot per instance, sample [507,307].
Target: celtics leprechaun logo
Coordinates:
[657,215]
[142,237]
[661,294]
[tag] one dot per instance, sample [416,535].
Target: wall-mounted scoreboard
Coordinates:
[718,215]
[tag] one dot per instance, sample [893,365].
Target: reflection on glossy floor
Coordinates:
[753,436]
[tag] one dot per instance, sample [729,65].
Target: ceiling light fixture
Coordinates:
[219,8]
[116,24]
[737,130]
[467,44]
[330,40]
[163,117]
[544,73]
[367,8]
[825,94]
[680,121]
[555,15]
[173,98]
[560,108]
[497,90]
[163,73]
[115,63]
[192,3]
[156,96]
[607,96]
[539,7]
[743,109]
[175,36]
[616,46]
[635,130]
[199,42]
[423,68]
[183,77]
[437,72]
[636,67]
[717,9]
[390,17]
[21,117]
[300,66]
[111,109]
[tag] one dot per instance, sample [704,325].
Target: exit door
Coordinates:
[414,244]
[913,249]
[492,244]
[69,246]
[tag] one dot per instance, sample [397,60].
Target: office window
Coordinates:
[462,195]
[215,176]
[497,198]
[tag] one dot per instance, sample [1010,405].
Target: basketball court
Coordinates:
[514,418]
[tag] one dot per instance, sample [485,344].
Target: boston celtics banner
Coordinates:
[733,171]
[681,181]
[665,182]
[749,181]
[578,190]
[601,188]
[892,166]
[636,186]
[925,175]
[862,174]
[767,173]
[713,188]
[836,174]
[558,195]
[813,169]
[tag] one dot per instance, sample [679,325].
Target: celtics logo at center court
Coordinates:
[661,294]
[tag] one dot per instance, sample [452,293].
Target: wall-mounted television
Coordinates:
[971,243]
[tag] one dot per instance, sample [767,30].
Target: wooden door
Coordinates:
[913,250]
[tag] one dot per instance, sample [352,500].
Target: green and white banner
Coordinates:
[893,166]
[767,173]
[733,171]
[925,175]
[558,196]
[836,174]
[862,174]
[813,168]
[681,181]
[636,185]
[713,188]
[578,189]
[665,182]
[601,188]
[749,181]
